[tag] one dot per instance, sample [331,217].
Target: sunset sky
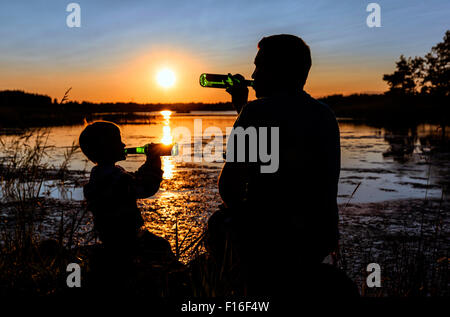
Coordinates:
[121,46]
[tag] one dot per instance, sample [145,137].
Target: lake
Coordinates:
[378,164]
[382,164]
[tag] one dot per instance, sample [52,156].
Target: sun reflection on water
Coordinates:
[167,161]
[167,136]
[168,167]
[166,114]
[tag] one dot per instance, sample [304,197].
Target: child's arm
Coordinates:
[148,177]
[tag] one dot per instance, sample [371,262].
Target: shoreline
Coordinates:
[399,235]
[413,232]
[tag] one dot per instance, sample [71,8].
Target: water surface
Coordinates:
[378,164]
[383,164]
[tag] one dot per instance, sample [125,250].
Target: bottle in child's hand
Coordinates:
[158,149]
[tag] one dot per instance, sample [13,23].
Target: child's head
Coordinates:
[101,143]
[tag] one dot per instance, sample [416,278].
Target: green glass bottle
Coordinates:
[158,148]
[220,81]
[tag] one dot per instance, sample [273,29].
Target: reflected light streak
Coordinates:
[167,136]
[167,161]
[168,167]
[166,114]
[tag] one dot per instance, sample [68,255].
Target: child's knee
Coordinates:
[149,242]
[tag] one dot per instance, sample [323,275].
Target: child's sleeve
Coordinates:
[148,178]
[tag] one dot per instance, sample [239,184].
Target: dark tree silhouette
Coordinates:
[18,98]
[437,68]
[406,79]
[428,75]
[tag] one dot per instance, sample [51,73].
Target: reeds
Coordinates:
[411,265]
[410,243]
[26,263]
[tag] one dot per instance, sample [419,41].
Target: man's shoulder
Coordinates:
[307,99]
[261,107]
[258,103]
[289,106]
[301,97]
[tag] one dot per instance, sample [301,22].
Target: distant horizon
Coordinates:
[178,102]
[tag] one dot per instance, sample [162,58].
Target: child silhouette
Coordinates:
[112,192]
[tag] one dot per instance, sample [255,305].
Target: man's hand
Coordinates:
[238,92]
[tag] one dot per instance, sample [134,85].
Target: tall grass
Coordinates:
[417,265]
[414,258]
[27,264]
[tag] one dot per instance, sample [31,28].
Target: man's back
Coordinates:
[298,201]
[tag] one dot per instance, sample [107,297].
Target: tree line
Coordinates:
[422,83]
[423,75]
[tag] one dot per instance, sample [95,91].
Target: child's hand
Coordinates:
[154,160]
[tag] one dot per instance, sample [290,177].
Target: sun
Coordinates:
[166,78]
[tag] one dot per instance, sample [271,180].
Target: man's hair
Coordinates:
[95,138]
[288,55]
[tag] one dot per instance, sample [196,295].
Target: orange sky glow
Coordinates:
[119,48]
[135,80]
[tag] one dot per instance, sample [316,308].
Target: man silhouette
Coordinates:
[283,221]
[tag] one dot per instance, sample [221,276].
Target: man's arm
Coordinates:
[232,184]
[236,176]
[238,92]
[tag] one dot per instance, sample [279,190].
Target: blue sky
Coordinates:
[39,53]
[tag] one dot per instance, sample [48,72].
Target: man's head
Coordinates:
[281,65]
[101,143]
